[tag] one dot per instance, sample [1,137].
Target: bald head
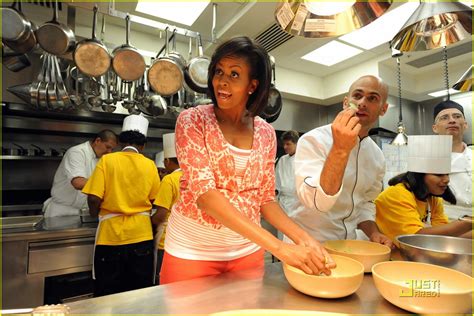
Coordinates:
[377,86]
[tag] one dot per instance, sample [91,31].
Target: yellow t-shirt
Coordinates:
[167,195]
[398,212]
[126,182]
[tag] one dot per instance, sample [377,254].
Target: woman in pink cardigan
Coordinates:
[227,154]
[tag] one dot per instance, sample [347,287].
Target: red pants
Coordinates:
[176,269]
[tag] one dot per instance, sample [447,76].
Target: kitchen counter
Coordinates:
[51,228]
[233,291]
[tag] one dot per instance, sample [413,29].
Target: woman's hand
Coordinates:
[308,256]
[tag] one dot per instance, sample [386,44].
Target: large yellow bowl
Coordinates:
[423,288]
[366,252]
[344,280]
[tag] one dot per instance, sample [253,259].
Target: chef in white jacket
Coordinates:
[449,119]
[339,168]
[285,173]
[75,168]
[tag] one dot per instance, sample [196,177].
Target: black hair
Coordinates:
[292,136]
[106,135]
[415,182]
[174,160]
[132,138]
[260,69]
[448,104]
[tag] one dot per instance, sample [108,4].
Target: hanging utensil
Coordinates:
[43,85]
[195,74]
[51,89]
[165,75]
[272,111]
[54,37]
[91,56]
[63,95]
[14,61]
[127,62]
[18,33]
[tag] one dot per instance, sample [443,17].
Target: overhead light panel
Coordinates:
[185,13]
[442,93]
[327,8]
[377,32]
[332,53]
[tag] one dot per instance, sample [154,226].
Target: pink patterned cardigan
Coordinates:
[207,164]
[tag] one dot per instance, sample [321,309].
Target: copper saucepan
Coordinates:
[54,37]
[91,56]
[166,74]
[127,62]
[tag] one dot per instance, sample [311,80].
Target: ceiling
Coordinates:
[252,18]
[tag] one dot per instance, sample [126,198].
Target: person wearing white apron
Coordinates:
[413,202]
[121,191]
[449,119]
[166,197]
[75,168]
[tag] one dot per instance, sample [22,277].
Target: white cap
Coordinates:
[135,123]
[159,157]
[169,145]
[430,153]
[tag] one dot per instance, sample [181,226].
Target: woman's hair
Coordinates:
[260,69]
[415,182]
[132,138]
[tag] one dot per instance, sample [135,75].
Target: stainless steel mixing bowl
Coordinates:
[446,251]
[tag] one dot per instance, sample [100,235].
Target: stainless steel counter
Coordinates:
[234,291]
[56,246]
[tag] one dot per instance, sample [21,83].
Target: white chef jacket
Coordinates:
[285,183]
[460,182]
[336,217]
[78,161]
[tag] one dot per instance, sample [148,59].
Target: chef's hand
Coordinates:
[304,258]
[345,129]
[382,239]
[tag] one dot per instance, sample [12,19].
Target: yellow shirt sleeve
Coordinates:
[396,212]
[95,185]
[437,212]
[164,198]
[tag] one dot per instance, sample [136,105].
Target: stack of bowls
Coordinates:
[423,288]
[366,252]
[344,280]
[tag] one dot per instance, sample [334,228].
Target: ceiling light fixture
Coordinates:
[377,32]
[332,53]
[298,18]
[178,12]
[442,93]
[401,139]
[434,25]
[464,83]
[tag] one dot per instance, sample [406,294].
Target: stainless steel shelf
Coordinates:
[21,207]
[29,158]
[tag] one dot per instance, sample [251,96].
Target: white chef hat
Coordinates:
[159,157]
[135,123]
[169,145]
[430,153]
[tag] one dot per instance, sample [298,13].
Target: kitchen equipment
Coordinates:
[344,280]
[18,33]
[273,109]
[423,288]
[151,104]
[447,251]
[127,62]
[195,74]
[165,74]
[22,151]
[43,84]
[366,252]
[38,151]
[51,88]
[20,221]
[54,37]
[14,61]
[91,56]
